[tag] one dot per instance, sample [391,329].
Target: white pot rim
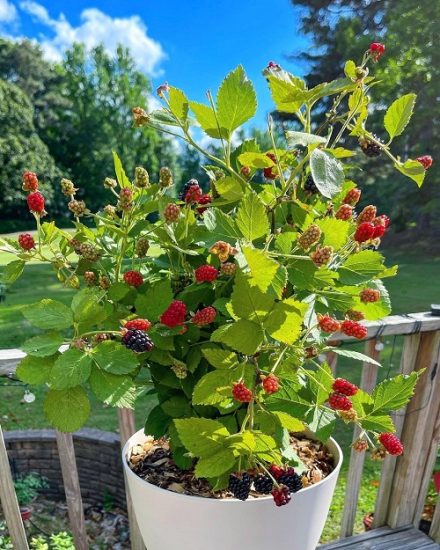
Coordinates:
[152,487]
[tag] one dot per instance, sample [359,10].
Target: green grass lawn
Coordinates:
[414,289]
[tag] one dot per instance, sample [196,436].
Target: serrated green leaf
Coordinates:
[87,308]
[221,226]
[177,406]
[249,302]
[321,422]
[114,358]
[157,422]
[412,169]
[179,104]
[67,410]
[350,69]
[12,271]
[201,436]
[230,188]
[43,345]
[236,100]
[206,118]
[377,423]
[263,268]
[207,389]
[285,320]
[117,391]
[335,231]
[49,315]
[361,267]
[286,94]
[118,291]
[399,114]
[255,160]
[251,217]
[242,335]
[121,176]
[327,173]
[71,369]
[289,422]
[220,358]
[34,370]
[394,393]
[374,310]
[303,138]
[355,355]
[155,300]
[215,464]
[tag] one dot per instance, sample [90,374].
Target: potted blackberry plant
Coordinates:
[219,304]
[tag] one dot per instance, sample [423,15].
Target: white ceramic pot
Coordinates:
[171,521]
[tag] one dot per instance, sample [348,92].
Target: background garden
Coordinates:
[63,120]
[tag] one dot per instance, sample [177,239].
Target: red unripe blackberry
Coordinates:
[204,316]
[271,172]
[377,50]
[263,484]
[228,268]
[204,199]
[352,197]
[171,212]
[137,340]
[392,443]
[339,402]
[369,295]
[174,315]
[367,215]
[138,324]
[281,495]
[344,212]
[328,324]
[26,241]
[364,232]
[240,485]
[352,328]
[340,385]
[206,274]
[379,231]
[193,193]
[125,198]
[241,393]
[425,161]
[322,255]
[133,278]
[360,445]
[271,384]
[276,471]
[30,181]
[36,202]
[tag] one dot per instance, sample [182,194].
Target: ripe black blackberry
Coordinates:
[310,186]
[263,484]
[180,281]
[291,480]
[370,148]
[187,185]
[240,485]
[137,340]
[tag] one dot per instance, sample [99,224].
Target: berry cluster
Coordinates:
[206,274]
[322,255]
[142,247]
[339,402]
[141,177]
[392,443]
[240,485]
[281,495]
[133,278]
[138,324]
[360,445]
[30,181]
[165,177]
[425,161]
[310,186]
[271,172]
[241,393]
[125,201]
[367,215]
[191,192]
[228,269]
[353,328]
[174,315]
[204,316]
[90,278]
[171,212]
[26,241]
[310,236]
[352,197]
[137,340]
[340,385]
[328,324]
[364,232]
[35,203]
[369,295]
[67,187]
[376,50]
[344,212]
[263,484]
[77,207]
[271,384]
[355,315]
[370,148]
[88,252]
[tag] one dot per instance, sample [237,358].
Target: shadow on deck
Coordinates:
[385,538]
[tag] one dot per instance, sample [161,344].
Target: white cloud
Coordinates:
[95,28]
[8,12]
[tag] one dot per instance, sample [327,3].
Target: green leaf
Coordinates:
[287,95]
[412,169]
[230,188]
[255,160]
[86,307]
[327,173]
[179,104]
[284,321]
[118,291]
[114,358]
[361,267]
[242,335]
[43,344]
[355,355]
[263,268]
[215,464]
[117,391]
[71,369]
[350,69]
[236,100]
[12,271]
[155,301]
[206,118]
[322,423]
[249,302]
[157,422]
[394,393]
[67,410]
[335,232]
[252,218]
[207,389]
[201,436]
[220,358]
[399,114]
[289,422]
[302,138]
[377,423]
[177,406]
[221,226]
[49,314]
[34,370]
[121,176]
[375,310]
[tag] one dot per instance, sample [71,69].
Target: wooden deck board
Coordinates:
[385,538]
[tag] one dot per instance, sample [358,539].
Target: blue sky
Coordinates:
[190,44]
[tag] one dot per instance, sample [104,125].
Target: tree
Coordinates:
[20,149]
[345,28]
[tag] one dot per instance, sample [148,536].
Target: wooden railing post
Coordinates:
[409,484]
[126,430]
[407,365]
[9,502]
[356,466]
[72,489]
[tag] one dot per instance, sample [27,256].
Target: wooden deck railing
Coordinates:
[404,480]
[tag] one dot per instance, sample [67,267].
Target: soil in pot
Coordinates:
[153,462]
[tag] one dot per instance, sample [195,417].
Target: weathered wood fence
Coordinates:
[404,480]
